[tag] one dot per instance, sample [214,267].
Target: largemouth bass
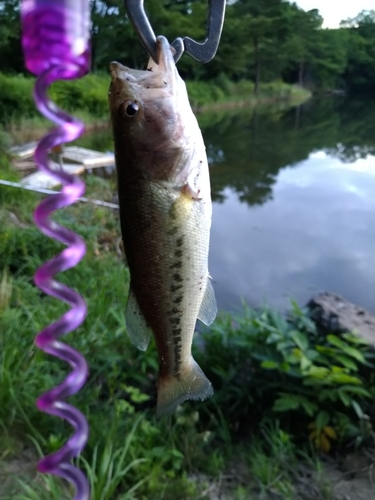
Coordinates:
[165,213]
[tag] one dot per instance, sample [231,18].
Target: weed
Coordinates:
[88,99]
[270,461]
[109,467]
[273,376]
[265,364]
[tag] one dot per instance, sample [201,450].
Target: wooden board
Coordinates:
[28,164]
[88,157]
[43,180]
[24,151]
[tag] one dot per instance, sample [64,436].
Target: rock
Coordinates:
[337,315]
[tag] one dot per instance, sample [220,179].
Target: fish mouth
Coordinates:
[162,75]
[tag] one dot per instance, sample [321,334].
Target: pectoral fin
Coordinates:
[208,310]
[138,330]
[181,209]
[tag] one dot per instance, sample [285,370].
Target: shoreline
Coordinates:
[251,103]
[32,129]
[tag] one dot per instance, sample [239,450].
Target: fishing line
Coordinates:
[55,43]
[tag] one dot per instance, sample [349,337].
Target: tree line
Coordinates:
[262,41]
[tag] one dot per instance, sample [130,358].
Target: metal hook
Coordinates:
[203,52]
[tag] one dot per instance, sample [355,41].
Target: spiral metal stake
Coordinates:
[55,44]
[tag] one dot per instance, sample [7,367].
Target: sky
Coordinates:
[334,11]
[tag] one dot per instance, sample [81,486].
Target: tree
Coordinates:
[360,69]
[262,40]
[305,37]
[329,58]
[264,30]
[11,58]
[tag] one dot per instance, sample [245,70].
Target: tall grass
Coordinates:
[121,386]
[254,361]
[205,95]
[87,98]
[89,94]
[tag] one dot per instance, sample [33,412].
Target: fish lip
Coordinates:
[115,67]
[124,73]
[156,75]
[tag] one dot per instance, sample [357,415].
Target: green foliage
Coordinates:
[88,98]
[108,469]
[135,452]
[263,362]
[10,34]
[360,31]
[16,98]
[201,93]
[262,41]
[89,94]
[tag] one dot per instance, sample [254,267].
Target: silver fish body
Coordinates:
[165,213]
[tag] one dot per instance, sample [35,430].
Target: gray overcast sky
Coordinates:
[334,11]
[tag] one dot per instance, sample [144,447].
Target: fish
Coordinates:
[165,216]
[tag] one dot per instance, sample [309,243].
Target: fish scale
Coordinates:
[165,214]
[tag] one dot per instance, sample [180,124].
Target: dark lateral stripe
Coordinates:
[174,310]
[177,347]
[174,321]
[176,265]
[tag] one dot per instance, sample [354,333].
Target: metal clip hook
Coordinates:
[203,52]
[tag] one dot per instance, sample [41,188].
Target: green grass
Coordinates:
[224,93]
[259,363]
[87,99]
[88,94]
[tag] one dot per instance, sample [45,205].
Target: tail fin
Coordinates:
[173,391]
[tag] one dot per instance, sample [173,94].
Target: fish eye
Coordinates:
[131,108]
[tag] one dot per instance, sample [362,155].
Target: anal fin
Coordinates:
[208,310]
[138,330]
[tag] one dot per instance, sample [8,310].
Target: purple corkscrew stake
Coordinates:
[56,46]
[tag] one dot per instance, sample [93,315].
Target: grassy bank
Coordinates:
[285,394]
[87,99]
[224,93]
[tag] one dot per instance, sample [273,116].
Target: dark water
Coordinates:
[294,202]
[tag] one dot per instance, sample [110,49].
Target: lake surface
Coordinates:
[294,202]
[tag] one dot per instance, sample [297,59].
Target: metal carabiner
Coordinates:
[202,52]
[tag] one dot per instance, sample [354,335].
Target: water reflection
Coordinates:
[308,179]
[293,199]
[248,150]
[316,234]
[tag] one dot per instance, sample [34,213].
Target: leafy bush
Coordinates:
[16,98]
[201,93]
[264,367]
[87,98]
[89,93]
[265,364]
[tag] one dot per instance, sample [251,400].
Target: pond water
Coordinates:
[294,202]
